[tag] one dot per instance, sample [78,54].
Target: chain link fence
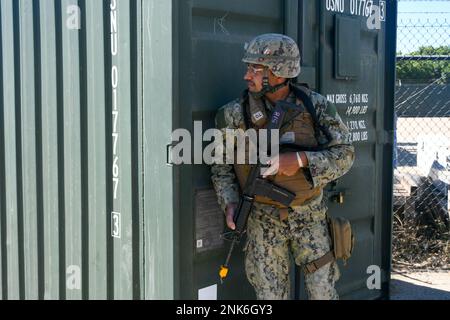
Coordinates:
[421,224]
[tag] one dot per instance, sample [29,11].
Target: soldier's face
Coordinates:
[254,77]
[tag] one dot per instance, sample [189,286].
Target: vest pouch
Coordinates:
[303,129]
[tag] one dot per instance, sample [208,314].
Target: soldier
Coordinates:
[273,231]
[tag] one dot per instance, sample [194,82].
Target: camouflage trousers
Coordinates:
[270,242]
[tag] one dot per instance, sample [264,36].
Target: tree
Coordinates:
[425,71]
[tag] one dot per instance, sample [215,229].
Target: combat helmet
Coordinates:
[278,53]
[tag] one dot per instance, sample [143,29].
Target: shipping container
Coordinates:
[90,93]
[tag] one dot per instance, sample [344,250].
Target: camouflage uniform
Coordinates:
[305,232]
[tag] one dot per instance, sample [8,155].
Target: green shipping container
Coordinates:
[90,92]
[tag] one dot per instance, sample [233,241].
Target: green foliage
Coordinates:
[425,71]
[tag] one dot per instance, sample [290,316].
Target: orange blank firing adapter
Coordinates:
[223,272]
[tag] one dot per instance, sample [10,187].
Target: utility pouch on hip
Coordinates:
[342,244]
[342,237]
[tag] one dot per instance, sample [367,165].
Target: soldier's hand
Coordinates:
[285,164]
[229,214]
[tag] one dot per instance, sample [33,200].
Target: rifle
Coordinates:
[257,186]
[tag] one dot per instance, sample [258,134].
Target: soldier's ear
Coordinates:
[280,80]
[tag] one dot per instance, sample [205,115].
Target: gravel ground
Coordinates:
[425,285]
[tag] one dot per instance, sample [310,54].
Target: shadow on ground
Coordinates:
[402,290]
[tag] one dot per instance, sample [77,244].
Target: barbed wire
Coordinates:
[429,12]
[423,0]
[419,22]
[415,12]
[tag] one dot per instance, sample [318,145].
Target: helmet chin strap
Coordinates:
[267,88]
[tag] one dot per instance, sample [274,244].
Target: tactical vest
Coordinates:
[301,132]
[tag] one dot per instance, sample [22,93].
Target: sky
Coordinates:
[426,15]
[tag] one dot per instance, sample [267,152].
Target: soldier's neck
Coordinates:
[280,94]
